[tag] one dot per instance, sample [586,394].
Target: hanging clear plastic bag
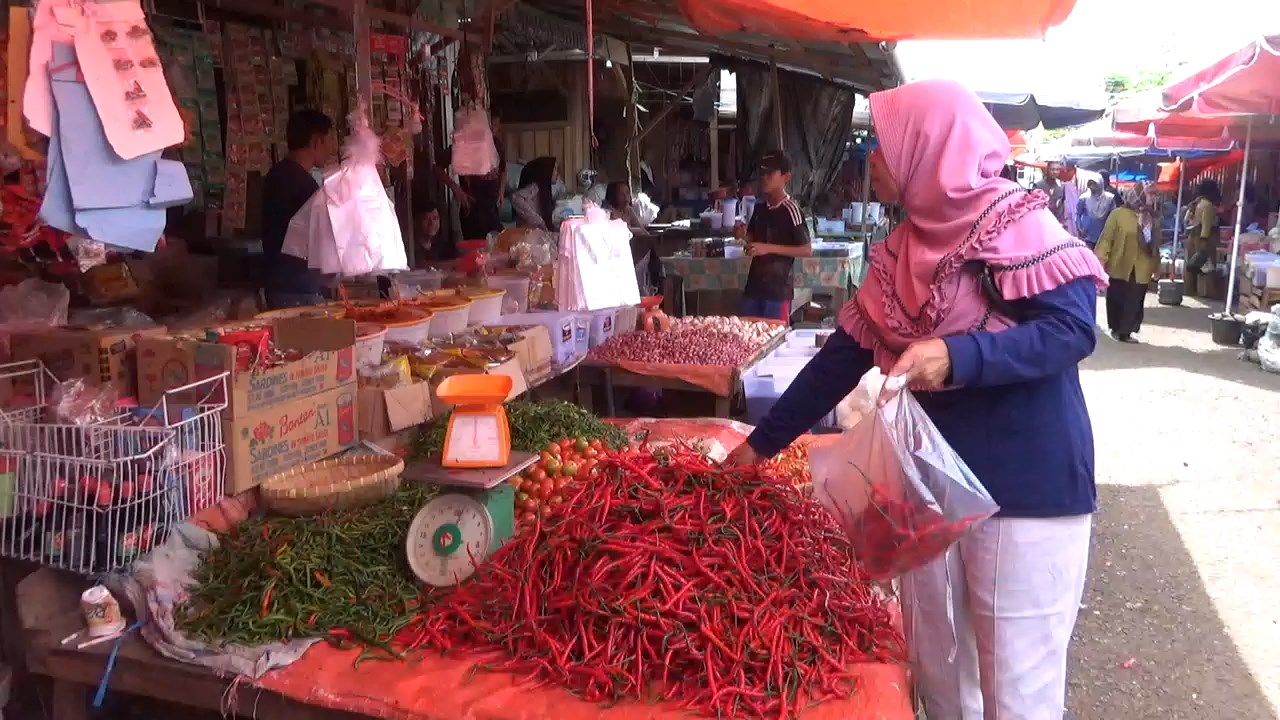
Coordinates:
[897,488]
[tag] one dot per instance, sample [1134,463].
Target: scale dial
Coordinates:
[444,537]
[474,438]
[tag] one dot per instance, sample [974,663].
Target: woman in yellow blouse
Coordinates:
[1130,252]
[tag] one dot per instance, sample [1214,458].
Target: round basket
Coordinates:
[337,484]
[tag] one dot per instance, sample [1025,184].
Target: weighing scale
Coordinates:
[478,435]
[459,529]
[466,524]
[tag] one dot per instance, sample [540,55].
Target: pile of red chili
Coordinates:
[725,591]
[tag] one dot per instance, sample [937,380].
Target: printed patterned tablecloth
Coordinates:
[731,273]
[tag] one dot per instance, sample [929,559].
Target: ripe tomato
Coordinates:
[556,500]
[561,483]
[546,488]
[538,475]
[566,443]
[592,453]
[588,466]
[545,457]
[597,444]
[529,504]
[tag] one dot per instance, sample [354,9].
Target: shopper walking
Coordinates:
[990,621]
[1129,251]
[1092,211]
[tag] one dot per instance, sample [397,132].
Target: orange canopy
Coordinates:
[845,21]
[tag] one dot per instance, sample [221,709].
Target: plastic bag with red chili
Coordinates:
[899,490]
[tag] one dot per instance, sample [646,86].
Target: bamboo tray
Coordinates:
[337,484]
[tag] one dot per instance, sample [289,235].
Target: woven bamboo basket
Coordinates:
[337,484]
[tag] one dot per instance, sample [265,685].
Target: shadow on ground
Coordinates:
[1146,607]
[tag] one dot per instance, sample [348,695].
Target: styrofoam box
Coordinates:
[793,352]
[561,326]
[805,338]
[603,326]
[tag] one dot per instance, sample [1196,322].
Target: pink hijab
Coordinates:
[946,152]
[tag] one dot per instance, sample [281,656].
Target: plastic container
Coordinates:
[486,304]
[370,339]
[330,310]
[732,252]
[1273,275]
[805,338]
[728,212]
[450,311]
[559,325]
[795,352]
[604,323]
[581,333]
[1226,329]
[516,285]
[415,327]
[415,282]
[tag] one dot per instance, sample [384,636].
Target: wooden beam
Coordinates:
[698,78]
[777,103]
[411,22]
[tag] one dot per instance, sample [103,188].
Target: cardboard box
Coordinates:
[168,362]
[303,431]
[533,351]
[386,412]
[510,367]
[103,357]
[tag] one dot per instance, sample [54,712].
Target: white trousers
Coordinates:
[988,623]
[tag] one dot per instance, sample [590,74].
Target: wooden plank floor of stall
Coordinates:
[49,610]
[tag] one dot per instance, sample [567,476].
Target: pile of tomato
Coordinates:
[543,486]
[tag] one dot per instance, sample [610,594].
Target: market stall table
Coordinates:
[704,275]
[592,373]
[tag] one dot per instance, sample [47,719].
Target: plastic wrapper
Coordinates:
[76,402]
[35,301]
[896,486]
[474,152]
[391,374]
[1269,352]
[110,318]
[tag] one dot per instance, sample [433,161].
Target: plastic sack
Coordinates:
[645,209]
[902,495]
[474,152]
[76,402]
[1269,352]
[350,228]
[35,301]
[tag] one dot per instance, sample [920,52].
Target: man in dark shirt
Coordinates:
[479,196]
[287,281]
[776,236]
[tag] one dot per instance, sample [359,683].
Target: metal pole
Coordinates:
[1235,240]
[364,60]
[1177,218]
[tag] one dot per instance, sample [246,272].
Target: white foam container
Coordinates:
[560,326]
[416,282]
[794,352]
[449,322]
[604,323]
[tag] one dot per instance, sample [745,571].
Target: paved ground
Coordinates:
[1181,616]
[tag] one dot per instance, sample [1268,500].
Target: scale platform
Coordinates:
[432,472]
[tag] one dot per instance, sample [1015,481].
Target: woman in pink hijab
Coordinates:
[985,305]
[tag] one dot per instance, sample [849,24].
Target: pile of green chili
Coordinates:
[342,576]
[534,425]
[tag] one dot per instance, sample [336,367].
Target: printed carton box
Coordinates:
[165,363]
[303,431]
[100,356]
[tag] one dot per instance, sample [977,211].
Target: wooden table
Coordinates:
[593,373]
[48,607]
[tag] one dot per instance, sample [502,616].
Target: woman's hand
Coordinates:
[924,366]
[742,455]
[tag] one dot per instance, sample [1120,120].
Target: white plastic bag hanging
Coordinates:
[474,152]
[595,271]
[350,228]
[901,493]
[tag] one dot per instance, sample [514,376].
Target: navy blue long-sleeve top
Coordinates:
[1014,410]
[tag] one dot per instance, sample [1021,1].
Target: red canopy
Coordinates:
[1144,141]
[1246,81]
[1143,115]
[844,21]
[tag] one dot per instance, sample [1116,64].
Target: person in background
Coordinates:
[478,196]
[1092,211]
[287,281]
[1110,189]
[535,202]
[989,623]
[426,231]
[1126,249]
[1202,224]
[644,252]
[1070,200]
[776,236]
[1151,228]
[1051,187]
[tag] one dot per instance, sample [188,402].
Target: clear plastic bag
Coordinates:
[900,492]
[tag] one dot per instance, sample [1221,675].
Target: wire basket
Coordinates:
[343,483]
[90,498]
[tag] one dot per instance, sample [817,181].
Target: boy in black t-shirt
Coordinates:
[776,236]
